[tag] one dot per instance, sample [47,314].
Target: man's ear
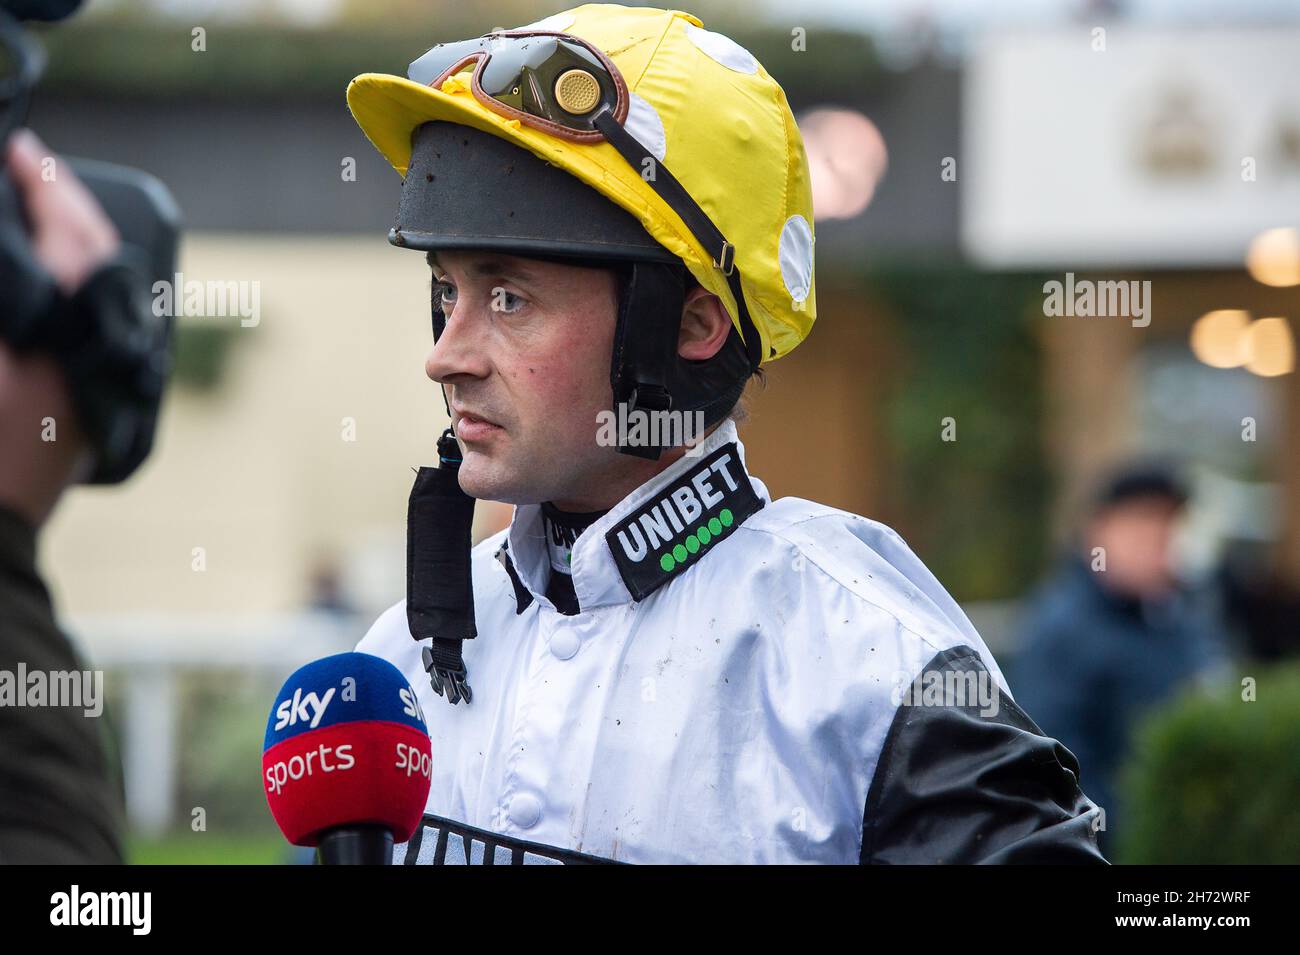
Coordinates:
[705,325]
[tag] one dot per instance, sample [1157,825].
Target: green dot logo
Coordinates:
[715,526]
[704,534]
[667,562]
[692,544]
[726,517]
[679,552]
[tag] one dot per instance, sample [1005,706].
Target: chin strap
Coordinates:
[645,344]
[646,373]
[439,588]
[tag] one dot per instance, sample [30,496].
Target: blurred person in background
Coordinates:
[60,798]
[1114,633]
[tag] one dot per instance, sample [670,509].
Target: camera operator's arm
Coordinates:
[59,800]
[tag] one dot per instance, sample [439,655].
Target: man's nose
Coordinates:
[459,351]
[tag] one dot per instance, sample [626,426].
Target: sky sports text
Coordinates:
[302,709]
[279,774]
[300,764]
[310,708]
[75,907]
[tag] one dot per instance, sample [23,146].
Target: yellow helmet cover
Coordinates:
[705,108]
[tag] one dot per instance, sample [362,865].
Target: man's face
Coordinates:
[1137,535]
[525,360]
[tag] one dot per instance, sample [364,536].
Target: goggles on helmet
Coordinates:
[550,81]
[564,86]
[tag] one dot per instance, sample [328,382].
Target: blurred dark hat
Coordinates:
[1143,479]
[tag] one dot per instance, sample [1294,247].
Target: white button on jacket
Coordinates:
[735,689]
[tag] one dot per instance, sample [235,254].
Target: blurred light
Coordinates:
[1274,257]
[846,158]
[1219,338]
[1271,348]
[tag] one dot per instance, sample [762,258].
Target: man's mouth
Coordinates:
[470,427]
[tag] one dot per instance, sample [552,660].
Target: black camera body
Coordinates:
[112,343]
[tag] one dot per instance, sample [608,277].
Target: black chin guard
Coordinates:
[439,586]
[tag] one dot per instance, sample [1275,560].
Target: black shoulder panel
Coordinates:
[963,782]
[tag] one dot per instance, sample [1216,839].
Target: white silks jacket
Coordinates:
[747,681]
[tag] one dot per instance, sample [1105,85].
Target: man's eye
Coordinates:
[444,293]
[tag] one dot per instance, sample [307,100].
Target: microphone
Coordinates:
[346,763]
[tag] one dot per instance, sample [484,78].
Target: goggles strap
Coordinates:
[695,218]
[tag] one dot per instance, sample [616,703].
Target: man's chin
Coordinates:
[486,477]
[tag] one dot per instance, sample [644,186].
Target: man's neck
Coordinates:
[632,473]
